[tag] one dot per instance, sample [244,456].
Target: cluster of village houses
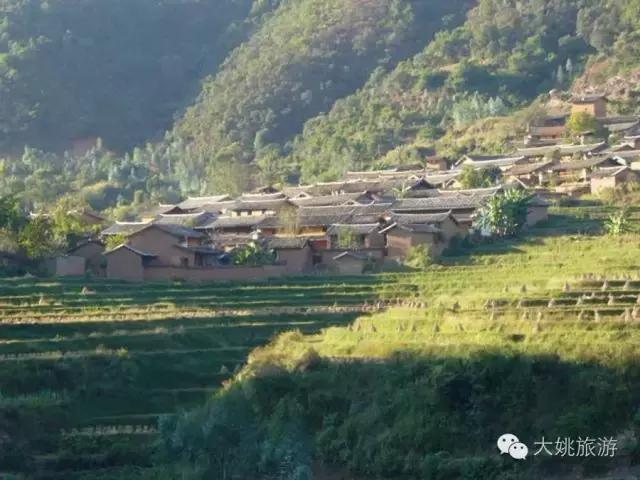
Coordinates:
[364,220]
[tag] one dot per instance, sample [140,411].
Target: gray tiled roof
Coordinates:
[262,197]
[438,178]
[356,229]
[588,98]
[125,228]
[194,220]
[580,164]
[239,221]
[420,218]
[413,228]
[130,248]
[441,203]
[487,161]
[328,200]
[283,243]
[568,149]
[378,185]
[608,172]
[528,168]
[179,231]
[258,204]
[200,202]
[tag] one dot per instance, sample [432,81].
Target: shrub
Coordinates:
[419,257]
[478,178]
[253,254]
[618,223]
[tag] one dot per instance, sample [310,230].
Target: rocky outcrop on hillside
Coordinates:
[622,90]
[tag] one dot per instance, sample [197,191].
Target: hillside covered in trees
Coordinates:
[118,70]
[207,96]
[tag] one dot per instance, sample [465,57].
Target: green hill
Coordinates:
[504,55]
[307,55]
[537,337]
[272,91]
[118,70]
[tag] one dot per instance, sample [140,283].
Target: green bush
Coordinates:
[419,257]
[504,214]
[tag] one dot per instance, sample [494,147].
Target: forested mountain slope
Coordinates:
[505,54]
[306,56]
[266,91]
[117,69]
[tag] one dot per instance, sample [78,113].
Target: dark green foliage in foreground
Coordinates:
[409,418]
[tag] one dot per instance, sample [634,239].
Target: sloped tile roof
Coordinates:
[284,243]
[420,218]
[444,203]
[200,202]
[356,229]
[239,221]
[125,228]
[194,220]
[130,248]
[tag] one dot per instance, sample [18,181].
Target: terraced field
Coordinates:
[87,368]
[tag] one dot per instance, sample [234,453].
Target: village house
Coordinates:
[529,174]
[611,177]
[537,211]
[92,251]
[578,170]
[170,244]
[405,172]
[405,231]
[461,206]
[294,252]
[594,104]
[549,130]
[350,262]
[66,266]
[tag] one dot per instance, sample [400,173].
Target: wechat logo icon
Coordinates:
[510,444]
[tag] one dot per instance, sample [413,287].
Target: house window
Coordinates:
[184,261]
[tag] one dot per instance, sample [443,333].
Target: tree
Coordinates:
[114,241]
[478,177]
[37,238]
[253,254]
[66,226]
[581,122]
[504,214]
[11,218]
[419,257]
